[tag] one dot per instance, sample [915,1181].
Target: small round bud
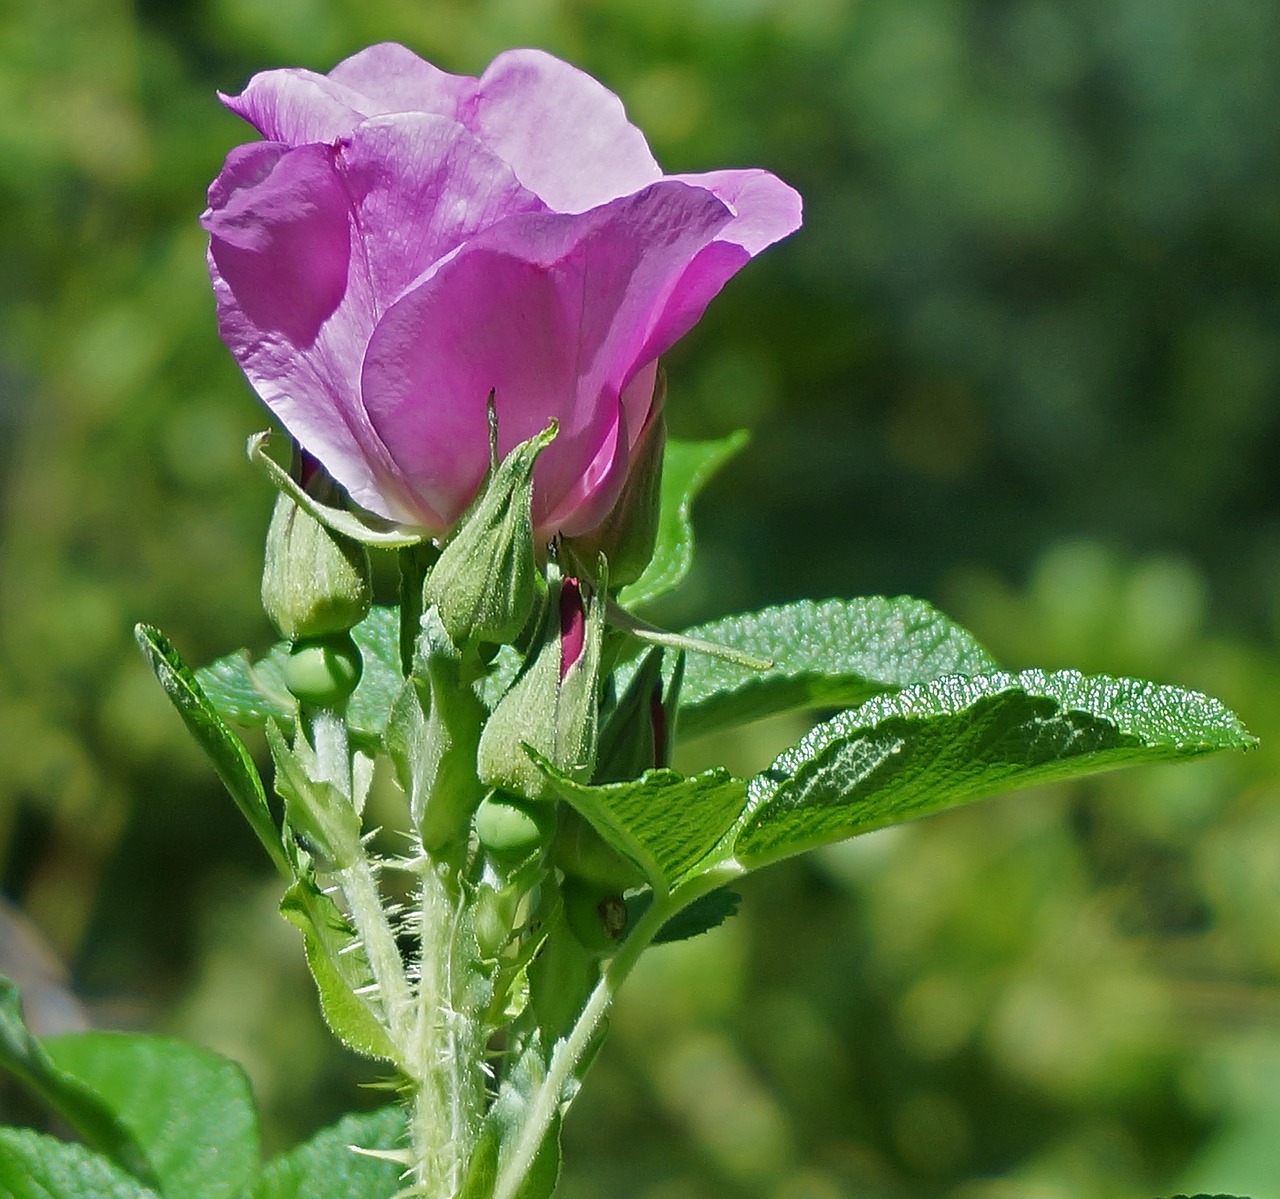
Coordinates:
[510,829]
[323,672]
[596,918]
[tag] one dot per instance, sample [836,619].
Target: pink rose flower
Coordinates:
[405,241]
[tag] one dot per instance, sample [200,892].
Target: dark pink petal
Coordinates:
[566,136]
[420,186]
[573,625]
[550,311]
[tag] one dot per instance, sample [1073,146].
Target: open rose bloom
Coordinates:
[405,241]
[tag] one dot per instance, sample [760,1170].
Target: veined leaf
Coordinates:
[957,739]
[833,654]
[96,1120]
[663,822]
[191,1110]
[701,916]
[687,467]
[328,1167]
[33,1166]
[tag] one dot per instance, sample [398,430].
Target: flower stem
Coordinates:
[568,1053]
[446,1043]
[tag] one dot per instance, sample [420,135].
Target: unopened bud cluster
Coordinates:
[481,772]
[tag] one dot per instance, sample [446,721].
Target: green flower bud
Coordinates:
[510,830]
[628,535]
[315,581]
[553,705]
[432,737]
[597,917]
[485,583]
[323,672]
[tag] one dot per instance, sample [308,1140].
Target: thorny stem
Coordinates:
[359,885]
[446,1046]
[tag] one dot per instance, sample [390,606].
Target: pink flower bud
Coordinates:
[404,242]
[573,625]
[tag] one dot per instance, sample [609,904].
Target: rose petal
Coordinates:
[296,316]
[421,185]
[392,78]
[566,135]
[280,238]
[297,107]
[764,208]
[549,311]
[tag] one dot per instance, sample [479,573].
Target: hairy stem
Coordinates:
[446,1046]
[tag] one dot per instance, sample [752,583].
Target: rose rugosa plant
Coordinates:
[454,292]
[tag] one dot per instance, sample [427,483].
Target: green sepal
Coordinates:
[485,583]
[631,738]
[432,738]
[361,526]
[340,971]
[687,467]
[555,717]
[314,581]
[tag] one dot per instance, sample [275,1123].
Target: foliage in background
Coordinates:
[1022,361]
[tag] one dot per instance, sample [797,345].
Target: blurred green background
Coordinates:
[1022,361]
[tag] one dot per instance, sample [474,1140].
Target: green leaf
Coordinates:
[230,758]
[958,739]
[339,970]
[687,467]
[252,694]
[92,1117]
[701,916]
[833,654]
[191,1110]
[327,1167]
[665,823]
[34,1166]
